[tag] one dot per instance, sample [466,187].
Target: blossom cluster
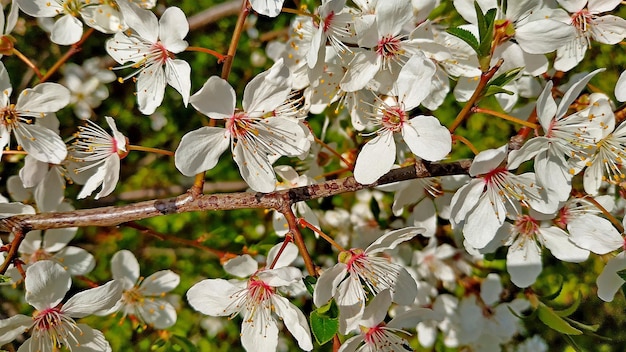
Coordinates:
[407,256]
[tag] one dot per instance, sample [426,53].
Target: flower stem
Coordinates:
[220,57]
[298,240]
[76,47]
[287,240]
[27,62]
[466,142]
[328,239]
[298,12]
[234,42]
[14,152]
[150,150]
[333,151]
[478,94]
[476,109]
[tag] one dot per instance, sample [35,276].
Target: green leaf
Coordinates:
[486,36]
[551,319]
[309,282]
[573,343]
[4,279]
[592,328]
[571,309]
[491,90]
[465,36]
[506,77]
[555,294]
[323,327]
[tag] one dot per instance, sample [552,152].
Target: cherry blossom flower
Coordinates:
[564,137]
[620,87]
[143,298]
[359,272]
[68,29]
[52,324]
[376,335]
[424,135]
[255,298]
[255,140]
[482,205]
[21,118]
[87,85]
[150,49]
[332,24]
[609,281]
[527,237]
[589,24]
[97,156]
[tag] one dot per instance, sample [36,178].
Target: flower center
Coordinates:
[53,324]
[258,290]
[160,53]
[389,47]
[527,225]
[495,175]
[40,254]
[349,257]
[9,117]
[327,21]
[371,335]
[582,20]
[72,7]
[393,118]
[133,296]
[238,125]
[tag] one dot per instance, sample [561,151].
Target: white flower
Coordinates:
[482,205]
[366,273]
[21,118]
[585,18]
[143,297]
[87,85]
[98,154]
[332,25]
[523,260]
[565,138]
[52,325]
[424,135]
[609,281]
[150,49]
[256,141]
[68,29]
[620,87]
[376,335]
[255,298]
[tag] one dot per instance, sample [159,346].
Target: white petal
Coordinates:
[41,143]
[267,91]
[125,268]
[160,282]
[376,310]
[255,167]
[158,313]
[259,334]
[280,276]
[327,284]
[241,266]
[557,241]
[200,150]
[287,256]
[392,238]
[294,320]
[523,262]
[75,260]
[56,239]
[215,99]
[487,160]
[173,27]
[44,97]
[150,88]
[270,8]
[214,297]
[543,36]
[609,282]
[351,299]
[361,71]
[67,30]
[620,87]
[12,327]
[427,138]
[594,233]
[375,158]
[465,199]
[94,299]
[178,74]
[110,176]
[483,223]
[90,340]
[46,284]
[144,22]
[405,289]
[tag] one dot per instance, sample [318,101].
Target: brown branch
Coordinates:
[115,215]
[213,14]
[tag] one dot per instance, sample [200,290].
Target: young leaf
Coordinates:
[323,327]
[465,36]
[571,309]
[551,319]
